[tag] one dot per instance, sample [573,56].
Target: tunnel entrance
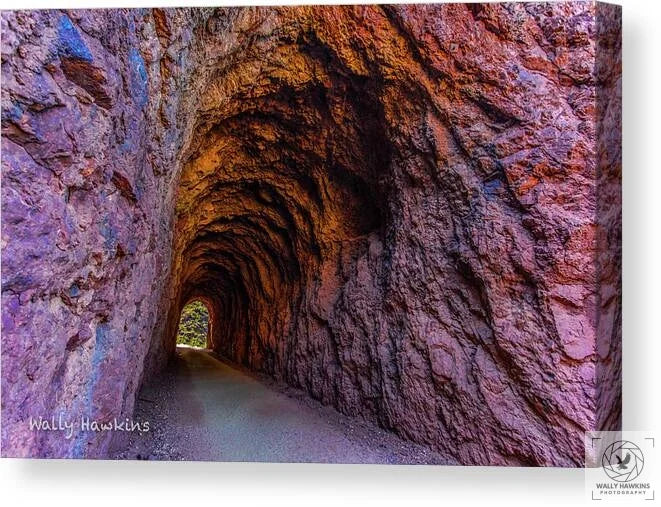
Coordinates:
[194,322]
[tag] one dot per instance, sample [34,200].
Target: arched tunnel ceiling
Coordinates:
[285,170]
[345,200]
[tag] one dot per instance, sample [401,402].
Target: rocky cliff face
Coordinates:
[411,212]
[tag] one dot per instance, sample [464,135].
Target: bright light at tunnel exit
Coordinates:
[193,330]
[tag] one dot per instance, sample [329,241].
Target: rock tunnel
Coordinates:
[408,212]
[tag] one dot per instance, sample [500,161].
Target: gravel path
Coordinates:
[204,409]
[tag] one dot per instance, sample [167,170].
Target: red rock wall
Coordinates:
[411,212]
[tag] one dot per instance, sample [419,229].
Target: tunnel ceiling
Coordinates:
[288,171]
[392,208]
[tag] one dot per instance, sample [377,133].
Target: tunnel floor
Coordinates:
[202,408]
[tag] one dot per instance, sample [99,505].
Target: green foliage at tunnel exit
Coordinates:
[193,325]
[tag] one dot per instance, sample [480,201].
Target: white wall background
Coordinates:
[50,483]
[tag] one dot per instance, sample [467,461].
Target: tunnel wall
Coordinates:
[410,212]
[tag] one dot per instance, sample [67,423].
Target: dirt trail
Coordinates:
[204,409]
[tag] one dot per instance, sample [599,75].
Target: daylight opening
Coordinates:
[193,328]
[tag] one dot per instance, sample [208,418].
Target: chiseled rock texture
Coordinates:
[410,212]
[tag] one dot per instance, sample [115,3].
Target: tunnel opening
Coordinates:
[194,325]
[300,202]
[277,201]
[328,202]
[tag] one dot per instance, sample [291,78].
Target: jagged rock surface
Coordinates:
[411,212]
